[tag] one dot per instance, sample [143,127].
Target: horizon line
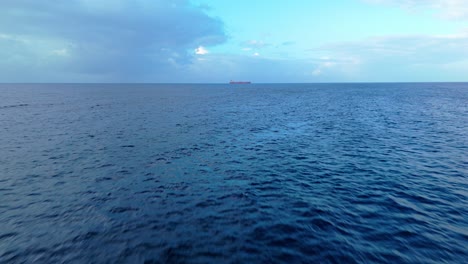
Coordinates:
[252,83]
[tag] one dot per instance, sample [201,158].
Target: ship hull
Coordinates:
[233,82]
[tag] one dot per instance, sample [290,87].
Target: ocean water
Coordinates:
[261,173]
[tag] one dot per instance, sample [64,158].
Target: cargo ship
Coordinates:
[237,82]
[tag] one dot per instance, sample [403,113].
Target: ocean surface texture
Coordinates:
[282,173]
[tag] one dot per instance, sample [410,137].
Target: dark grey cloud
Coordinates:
[105,40]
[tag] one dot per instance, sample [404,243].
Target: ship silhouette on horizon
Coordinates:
[239,82]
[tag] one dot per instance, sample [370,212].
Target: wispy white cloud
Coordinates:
[255,44]
[317,71]
[410,48]
[224,67]
[404,56]
[61,52]
[449,9]
[322,66]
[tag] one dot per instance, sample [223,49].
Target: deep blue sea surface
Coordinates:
[261,173]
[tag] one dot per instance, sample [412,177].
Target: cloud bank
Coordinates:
[401,58]
[105,40]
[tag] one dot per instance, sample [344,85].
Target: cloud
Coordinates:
[201,51]
[224,67]
[327,63]
[317,71]
[396,58]
[255,44]
[410,57]
[409,48]
[106,40]
[61,52]
[449,9]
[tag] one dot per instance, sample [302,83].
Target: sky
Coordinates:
[214,41]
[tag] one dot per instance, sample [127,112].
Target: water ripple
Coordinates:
[330,173]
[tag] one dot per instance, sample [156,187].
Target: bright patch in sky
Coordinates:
[201,51]
[216,41]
